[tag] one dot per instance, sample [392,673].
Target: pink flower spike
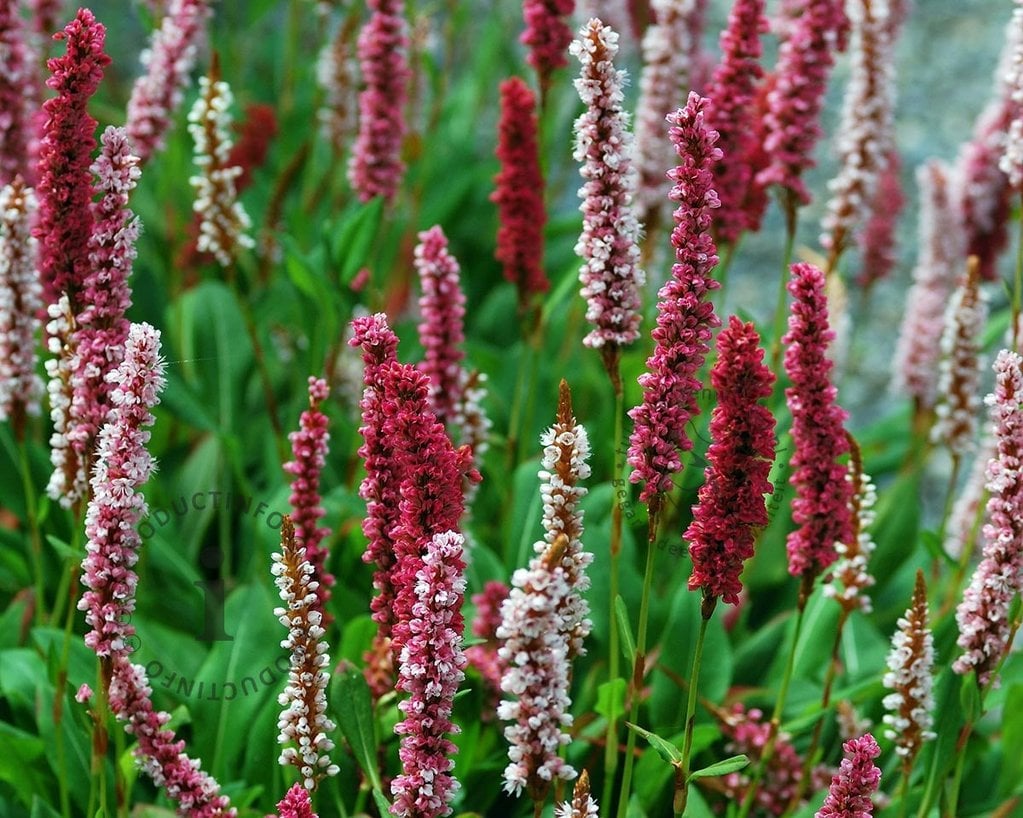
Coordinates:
[431,667]
[866,133]
[942,250]
[609,244]
[731,503]
[16,89]
[732,94]
[20,303]
[797,95]
[519,193]
[166,63]
[983,614]
[309,452]
[669,50]
[65,183]
[685,316]
[442,311]
[877,239]
[1011,162]
[295,804]
[856,780]
[822,505]
[122,467]
[160,754]
[547,35]
[376,168]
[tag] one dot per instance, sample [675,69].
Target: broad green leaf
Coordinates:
[1011,776]
[723,767]
[382,803]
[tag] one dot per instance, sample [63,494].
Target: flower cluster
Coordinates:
[942,248]
[731,501]
[519,192]
[224,222]
[431,667]
[375,168]
[309,452]
[16,78]
[877,240]
[20,302]
[582,804]
[748,732]
[335,74]
[797,95]
[965,520]
[537,674]
[668,51]
[685,316]
[295,804]
[732,94]
[64,189]
[982,615]
[856,780]
[1011,161]
[484,657]
[609,243]
[442,311]
[849,579]
[959,373]
[911,676]
[822,505]
[547,35]
[303,720]
[866,131]
[122,466]
[167,62]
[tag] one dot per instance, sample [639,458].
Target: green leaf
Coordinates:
[382,803]
[353,705]
[611,699]
[355,238]
[1012,736]
[723,767]
[969,697]
[625,631]
[40,809]
[665,749]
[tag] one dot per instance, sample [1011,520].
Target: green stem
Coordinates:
[682,793]
[818,728]
[904,792]
[781,308]
[779,705]
[33,528]
[611,736]
[640,660]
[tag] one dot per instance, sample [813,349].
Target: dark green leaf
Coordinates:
[723,767]
[353,705]
[665,749]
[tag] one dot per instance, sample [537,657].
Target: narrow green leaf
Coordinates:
[625,630]
[354,708]
[723,767]
[969,697]
[355,238]
[665,749]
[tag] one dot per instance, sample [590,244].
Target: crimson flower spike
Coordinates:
[822,508]
[65,182]
[609,244]
[732,91]
[796,97]
[547,35]
[375,168]
[731,503]
[685,316]
[519,193]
